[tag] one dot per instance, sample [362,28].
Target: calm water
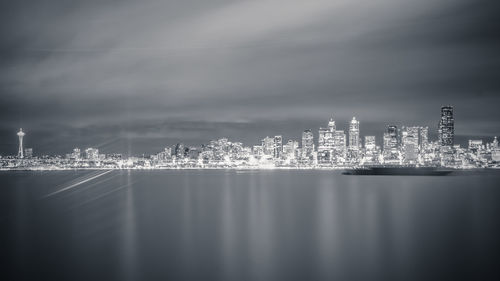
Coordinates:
[229,225]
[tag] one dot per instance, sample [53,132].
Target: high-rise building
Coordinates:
[331,143]
[179,150]
[424,137]
[278,146]
[371,150]
[76,153]
[92,154]
[268,146]
[409,138]
[391,145]
[307,144]
[475,145]
[326,141]
[20,152]
[370,142]
[339,147]
[446,130]
[354,142]
[289,149]
[391,139]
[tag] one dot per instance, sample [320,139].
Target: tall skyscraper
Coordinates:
[268,146]
[410,137]
[354,142]
[20,152]
[391,140]
[307,144]
[339,148]
[278,146]
[424,137]
[446,126]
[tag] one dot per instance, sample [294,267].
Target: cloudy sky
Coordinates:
[135,76]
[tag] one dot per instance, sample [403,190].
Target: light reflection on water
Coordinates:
[269,225]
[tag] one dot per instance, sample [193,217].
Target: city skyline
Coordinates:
[332,147]
[347,130]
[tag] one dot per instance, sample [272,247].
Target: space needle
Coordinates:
[20,134]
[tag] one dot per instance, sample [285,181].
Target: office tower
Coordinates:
[475,145]
[391,138]
[20,134]
[410,137]
[446,130]
[257,150]
[278,146]
[268,146]
[354,142]
[92,154]
[340,146]
[179,150]
[370,142]
[391,145]
[393,133]
[326,141]
[307,144]
[76,153]
[371,150]
[289,149]
[424,137]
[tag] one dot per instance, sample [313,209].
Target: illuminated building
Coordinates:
[289,149]
[268,146]
[326,142]
[409,140]
[424,137]
[391,145]
[446,127]
[354,142]
[307,144]
[475,145]
[92,154]
[179,150]
[278,146]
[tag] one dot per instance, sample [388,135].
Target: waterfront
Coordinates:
[248,225]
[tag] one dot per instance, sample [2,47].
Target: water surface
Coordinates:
[248,225]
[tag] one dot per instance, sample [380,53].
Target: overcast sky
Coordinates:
[135,76]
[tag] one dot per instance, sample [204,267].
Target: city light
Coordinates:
[408,146]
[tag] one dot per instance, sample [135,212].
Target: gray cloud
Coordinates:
[151,72]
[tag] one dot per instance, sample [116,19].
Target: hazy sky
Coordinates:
[135,76]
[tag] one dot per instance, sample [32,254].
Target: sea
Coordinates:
[248,225]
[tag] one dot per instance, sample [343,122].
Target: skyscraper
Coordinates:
[410,143]
[307,144]
[391,145]
[424,137]
[326,141]
[278,146]
[446,130]
[268,146]
[370,142]
[20,152]
[354,142]
[391,138]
